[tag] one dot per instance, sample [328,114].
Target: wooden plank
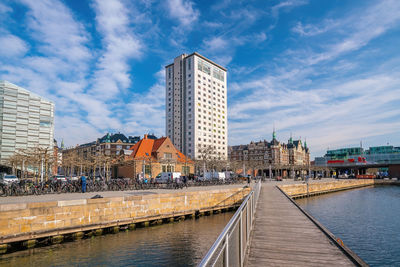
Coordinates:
[284,236]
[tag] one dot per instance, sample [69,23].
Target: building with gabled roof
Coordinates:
[263,154]
[149,157]
[110,145]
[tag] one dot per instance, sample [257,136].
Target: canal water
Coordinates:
[366,219]
[182,243]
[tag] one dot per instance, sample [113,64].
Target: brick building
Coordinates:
[109,144]
[90,158]
[152,156]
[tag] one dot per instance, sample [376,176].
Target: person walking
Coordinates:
[184,181]
[83,182]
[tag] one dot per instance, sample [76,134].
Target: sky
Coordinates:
[327,72]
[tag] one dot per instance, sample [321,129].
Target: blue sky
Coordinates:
[327,71]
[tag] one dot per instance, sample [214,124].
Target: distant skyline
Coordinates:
[327,71]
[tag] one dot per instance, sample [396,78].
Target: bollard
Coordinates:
[98,232]
[89,234]
[3,248]
[29,243]
[57,239]
[77,235]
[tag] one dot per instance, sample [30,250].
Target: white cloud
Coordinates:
[222,48]
[312,30]
[285,5]
[212,24]
[12,46]
[60,62]
[313,92]
[5,9]
[183,10]
[79,131]
[57,31]
[120,45]
[148,109]
[215,44]
[361,27]
[325,116]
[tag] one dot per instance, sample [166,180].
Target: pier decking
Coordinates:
[284,236]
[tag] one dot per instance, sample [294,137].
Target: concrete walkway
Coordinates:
[284,236]
[73,196]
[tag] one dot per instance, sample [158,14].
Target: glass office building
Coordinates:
[26,121]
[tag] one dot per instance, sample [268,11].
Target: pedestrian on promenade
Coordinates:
[83,182]
[248,179]
[184,181]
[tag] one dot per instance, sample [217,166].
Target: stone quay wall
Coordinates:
[304,190]
[26,221]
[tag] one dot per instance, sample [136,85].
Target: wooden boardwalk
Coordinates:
[284,236]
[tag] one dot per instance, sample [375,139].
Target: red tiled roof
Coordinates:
[142,149]
[146,148]
[182,158]
[158,143]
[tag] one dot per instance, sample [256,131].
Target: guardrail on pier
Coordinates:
[230,247]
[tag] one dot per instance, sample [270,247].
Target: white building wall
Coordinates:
[202,120]
[26,121]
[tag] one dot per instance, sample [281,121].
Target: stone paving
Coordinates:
[72,196]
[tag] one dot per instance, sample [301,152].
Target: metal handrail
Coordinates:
[243,219]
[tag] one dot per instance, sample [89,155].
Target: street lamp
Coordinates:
[270,171]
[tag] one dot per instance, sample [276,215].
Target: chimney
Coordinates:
[145,136]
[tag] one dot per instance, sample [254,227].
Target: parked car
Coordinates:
[165,177]
[9,179]
[56,178]
[73,178]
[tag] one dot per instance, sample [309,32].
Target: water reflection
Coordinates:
[367,220]
[176,244]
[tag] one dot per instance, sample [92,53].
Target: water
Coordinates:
[182,243]
[367,220]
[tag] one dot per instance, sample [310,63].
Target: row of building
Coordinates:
[195,120]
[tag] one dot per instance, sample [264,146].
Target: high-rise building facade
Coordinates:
[196,106]
[26,121]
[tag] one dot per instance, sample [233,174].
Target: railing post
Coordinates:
[249,204]
[252,210]
[241,239]
[227,250]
